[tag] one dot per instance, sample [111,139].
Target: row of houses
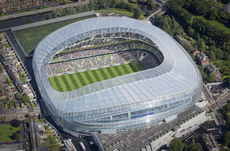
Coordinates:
[44,130]
[6,5]
[201,58]
[15,68]
[204,61]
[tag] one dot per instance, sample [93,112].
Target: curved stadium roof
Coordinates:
[177,73]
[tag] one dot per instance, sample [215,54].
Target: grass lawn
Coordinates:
[118,11]
[6,130]
[7,45]
[69,82]
[30,37]
[215,23]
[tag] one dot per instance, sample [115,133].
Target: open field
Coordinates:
[69,82]
[118,11]
[216,24]
[6,130]
[30,37]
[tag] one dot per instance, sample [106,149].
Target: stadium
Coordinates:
[114,73]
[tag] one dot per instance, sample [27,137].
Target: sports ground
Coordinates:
[69,82]
[29,41]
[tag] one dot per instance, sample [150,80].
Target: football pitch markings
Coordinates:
[69,82]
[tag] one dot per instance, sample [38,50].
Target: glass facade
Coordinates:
[126,102]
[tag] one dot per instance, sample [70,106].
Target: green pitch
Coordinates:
[69,82]
[6,130]
[30,37]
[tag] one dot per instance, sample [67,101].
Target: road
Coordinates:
[222,101]
[216,106]
[153,14]
[33,135]
[212,104]
[24,135]
[150,19]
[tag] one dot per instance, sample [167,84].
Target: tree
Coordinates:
[223,15]
[85,8]
[195,147]
[227,138]
[122,5]
[9,81]
[148,13]
[17,135]
[25,98]
[91,4]
[176,29]
[176,145]
[211,77]
[200,44]
[213,55]
[29,20]
[150,3]
[190,31]
[213,14]
[48,16]
[15,123]
[70,11]
[51,142]
[79,9]
[137,13]
[18,96]
[219,54]
[64,1]
[203,46]
[114,3]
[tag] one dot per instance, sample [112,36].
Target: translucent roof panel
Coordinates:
[177,73]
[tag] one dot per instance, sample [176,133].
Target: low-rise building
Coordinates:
[212,68]
[203,59]
[7,6]
[210,142]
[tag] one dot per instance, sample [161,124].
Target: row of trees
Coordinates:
[68,11]
[103,4]
[23,98]
[224,66]
[168,24]
[7,103]
[97,5]
[204,28]
[224,1]
[198,24]
[205,8]
[17,136]
[213,41]
[177,145]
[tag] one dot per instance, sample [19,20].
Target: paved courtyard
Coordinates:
[134,140]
